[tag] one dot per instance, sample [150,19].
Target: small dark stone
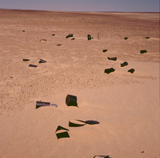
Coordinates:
[59,44]
[147,37]
[125,38]
[73,39]
[53,34]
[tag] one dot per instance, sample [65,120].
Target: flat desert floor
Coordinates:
[125,104]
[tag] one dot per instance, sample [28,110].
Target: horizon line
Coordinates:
[77,11]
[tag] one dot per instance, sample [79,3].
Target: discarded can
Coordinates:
[43,40]
[62,134]
[42,61]
[71,100]
[131,70]
[40,104]
[101,156]
[89,37]
[70,35]
[104,50]
[54,105]
[25,59]
[124,64]
[143,51]
[99,35]
[109,70]
[30,65]
[113,58]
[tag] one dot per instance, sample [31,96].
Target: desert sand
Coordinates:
[125,104]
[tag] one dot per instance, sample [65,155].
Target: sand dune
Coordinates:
[126,105]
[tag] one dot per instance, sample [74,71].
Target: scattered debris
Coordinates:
[71,100]
[43,40]
[131,70]
[109,70]
[113,58]
[42,61]
[104,50]
[25,59]
[31,65]
[124,64]
[70,35]
[40,104]
[143,51]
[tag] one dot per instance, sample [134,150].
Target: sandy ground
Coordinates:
[125,104]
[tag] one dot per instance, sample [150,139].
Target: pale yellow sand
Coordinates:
[125,104]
